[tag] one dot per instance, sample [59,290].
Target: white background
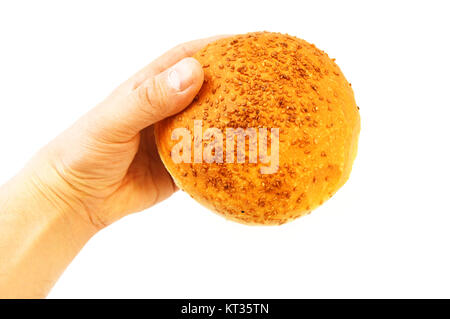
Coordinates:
[386,233]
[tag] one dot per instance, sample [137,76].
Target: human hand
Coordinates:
[106,165]
[102,168]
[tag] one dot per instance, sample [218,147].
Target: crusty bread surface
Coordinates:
[268,80]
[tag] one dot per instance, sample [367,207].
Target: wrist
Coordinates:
[36,201]
[50,188]
[40,235]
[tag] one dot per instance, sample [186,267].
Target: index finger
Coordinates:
[171,57]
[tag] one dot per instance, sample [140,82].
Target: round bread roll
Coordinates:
[299,104]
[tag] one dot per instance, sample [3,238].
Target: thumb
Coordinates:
[122,117]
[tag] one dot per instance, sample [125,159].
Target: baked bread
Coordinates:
[265,80]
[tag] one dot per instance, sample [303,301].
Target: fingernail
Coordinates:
[180,75]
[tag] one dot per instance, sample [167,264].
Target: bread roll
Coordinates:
[263,80]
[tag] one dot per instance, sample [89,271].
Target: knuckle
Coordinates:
[185,50]
[153,99]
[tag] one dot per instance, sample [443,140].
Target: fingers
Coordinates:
[171,57]
[167,93]
[162,88]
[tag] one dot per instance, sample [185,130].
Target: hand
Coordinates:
[102,168]
[106,165]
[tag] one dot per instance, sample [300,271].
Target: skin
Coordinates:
[99,170]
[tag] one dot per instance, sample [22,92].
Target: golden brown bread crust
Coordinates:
[269,80]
